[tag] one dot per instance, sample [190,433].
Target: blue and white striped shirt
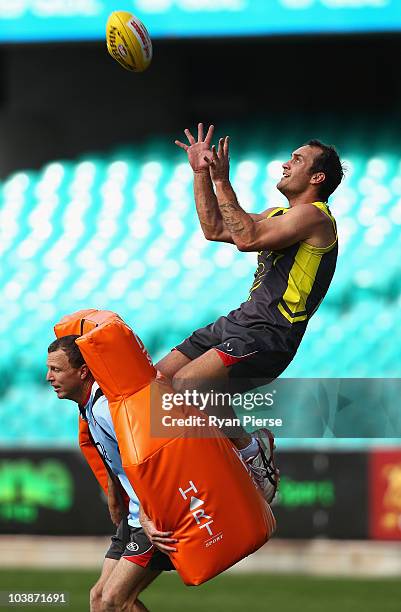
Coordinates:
[102,430]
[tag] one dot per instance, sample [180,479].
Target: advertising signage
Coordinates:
[63,20]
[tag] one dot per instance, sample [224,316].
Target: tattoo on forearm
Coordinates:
[231,218]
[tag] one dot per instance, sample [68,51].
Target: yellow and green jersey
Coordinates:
[288,286]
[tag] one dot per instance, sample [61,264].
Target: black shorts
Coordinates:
[250,352]
[132,544]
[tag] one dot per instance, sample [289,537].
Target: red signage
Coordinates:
[385,494]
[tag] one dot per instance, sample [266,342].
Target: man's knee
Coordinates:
[171,364]
[111,601]
[95,598]
[204,373]
[181,381]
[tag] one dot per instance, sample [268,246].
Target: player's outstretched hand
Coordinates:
[161,539]
[198,150]
[219,162]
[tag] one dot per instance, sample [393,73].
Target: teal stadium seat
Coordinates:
[120,231]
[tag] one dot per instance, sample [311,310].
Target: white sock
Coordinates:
[251,450]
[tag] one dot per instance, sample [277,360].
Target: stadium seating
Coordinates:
[120,232]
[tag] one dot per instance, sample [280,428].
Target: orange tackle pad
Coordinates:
[194,485]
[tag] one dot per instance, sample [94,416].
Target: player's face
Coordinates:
[65,380]
[296,171]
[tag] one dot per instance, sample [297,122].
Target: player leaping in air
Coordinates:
[297,254]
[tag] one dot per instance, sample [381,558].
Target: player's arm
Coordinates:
[161,539]
[205,199]
[299,224]
[248,233]
[208,210]
[207,206]
[114,501]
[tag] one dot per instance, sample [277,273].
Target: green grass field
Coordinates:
[233,593]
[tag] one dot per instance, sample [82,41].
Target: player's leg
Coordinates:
[203,374]
[204,361]
[229,358]
[139,565]
[190,349]
[202,371]
[257,449]
[112,557]
[136,604]
[172,363]
[196,365]
[120,593]
[95,596]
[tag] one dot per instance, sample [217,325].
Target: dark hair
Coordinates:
[70,348]
[328,162]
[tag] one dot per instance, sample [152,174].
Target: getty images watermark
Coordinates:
[293,407]
[214,399]
[210,405]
